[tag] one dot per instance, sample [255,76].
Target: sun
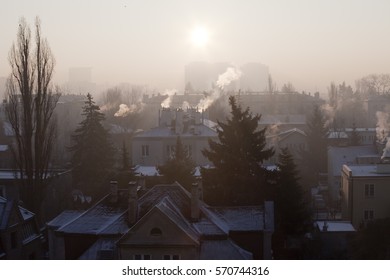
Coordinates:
[200,36]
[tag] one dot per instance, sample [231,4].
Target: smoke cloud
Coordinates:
[125,110]
[167,101]
[382,126]
[231,74]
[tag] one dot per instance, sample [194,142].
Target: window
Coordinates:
[369,190]
[171,257]
[142,257]
[145,150]
[368,214]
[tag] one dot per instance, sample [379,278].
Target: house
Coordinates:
[338,156]
[334,238]
[155,146]
[167,222]
[294,139]
[20,237]
[365,192]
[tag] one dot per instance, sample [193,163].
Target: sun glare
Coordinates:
[200,36]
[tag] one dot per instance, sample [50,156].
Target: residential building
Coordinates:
[351,155]
[334,238]
[20,237]
[293,139]
[365,192]
[155,146]
[166,222]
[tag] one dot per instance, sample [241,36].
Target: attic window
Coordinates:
[156,232]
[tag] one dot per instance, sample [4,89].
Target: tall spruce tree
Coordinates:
[354,140]
[291,208]
[315,158]
[125,172]
[237,156]
[92,151]
[180,167]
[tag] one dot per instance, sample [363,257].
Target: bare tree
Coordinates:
[30,108]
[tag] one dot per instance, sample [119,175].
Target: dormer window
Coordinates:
[156,232]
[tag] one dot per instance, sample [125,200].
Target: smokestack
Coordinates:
[325,226]
[133,203]
[114,191]
[179,121]
[195,197]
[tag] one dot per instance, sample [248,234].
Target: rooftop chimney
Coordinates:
[325,226]
[179,127]
[133,203]
[196,193]
[114,191]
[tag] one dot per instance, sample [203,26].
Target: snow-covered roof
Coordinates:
[146,170]
[223,250]
[157,132]
[366,171]
[335,226]
[362,129]
[143,170]
[3,148]
[283,119]
[6,207]
[64,218]
[347,155]
[241,218]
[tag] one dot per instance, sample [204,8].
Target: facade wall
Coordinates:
[358,204]
[170,241]
[158,152]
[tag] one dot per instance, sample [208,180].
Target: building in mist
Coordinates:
[352,155]
[254,77]
[365,193]
[166,222]
[293,139]
[155,146]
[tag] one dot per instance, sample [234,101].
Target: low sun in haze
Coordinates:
[200,36]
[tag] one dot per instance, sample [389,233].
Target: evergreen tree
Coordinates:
[180,167]
[237,157]
[125,172]
[92,151]
[292,213]
[315,158]
[355,137]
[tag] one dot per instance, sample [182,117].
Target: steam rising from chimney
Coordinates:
[167,101]
[231,74]
[185,106]
[125,110]
[382,126]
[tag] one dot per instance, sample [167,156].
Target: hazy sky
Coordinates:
[307,42]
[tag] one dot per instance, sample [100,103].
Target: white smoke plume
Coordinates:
[329,113]
[125,110]
[167,101]
[231,74]
[185,106]
[382,126]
